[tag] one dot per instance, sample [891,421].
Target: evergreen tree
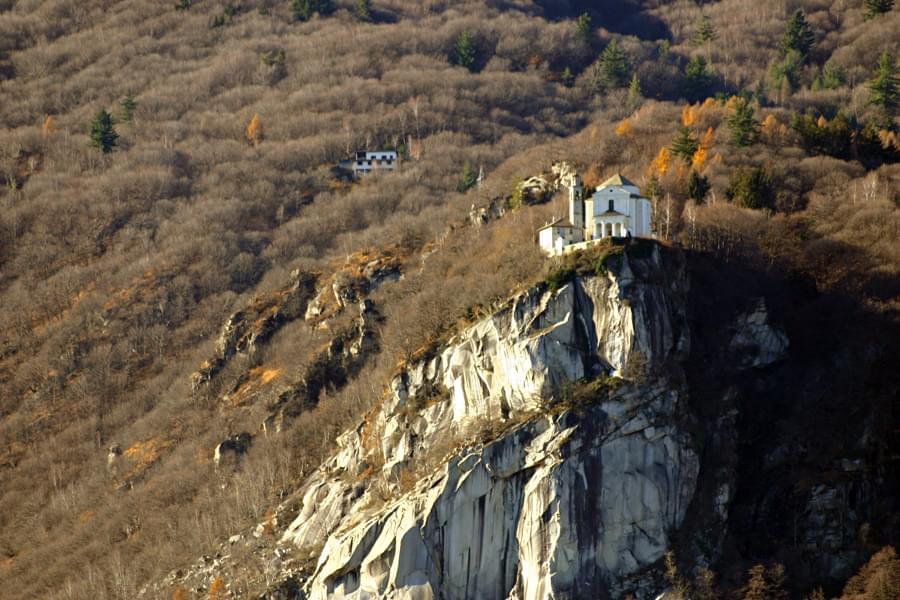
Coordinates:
[685,145]
[363,11]
[128,105]
[567,77]
[751,188]
[878,7]
[705,31]
[797,36]
[584,31]
[884,85]
[831,78]
[303,9]
[103,135]
[697,79]
[183,4]
[614,66]
[785,74]
[698,187]
[743,124]
[324,7]
[464,51]
[634,91]
[654,188]
[468,179]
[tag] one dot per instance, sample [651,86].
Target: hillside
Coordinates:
[206,278]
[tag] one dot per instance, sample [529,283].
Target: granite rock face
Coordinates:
[758,343]
[478,477]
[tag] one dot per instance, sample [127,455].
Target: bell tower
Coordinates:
[576,202]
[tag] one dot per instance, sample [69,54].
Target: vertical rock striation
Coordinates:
[480,477]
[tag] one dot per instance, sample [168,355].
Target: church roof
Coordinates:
[564,223]
[617,179]
[611,213]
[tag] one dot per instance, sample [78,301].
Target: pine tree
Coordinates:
[785,74]
[878,7]
[128,105]
[103,135]
[363,11]
[752,188]
[654,188]
[468,179]
[567,77]
[705,31]
[303,9]
[883,86]
[698,187]
[634,91]
[797,36]
[697,79]
[584,31]
[324,7]
[614,66]
[685,145]
[743,124]
[831,78]
[464,51]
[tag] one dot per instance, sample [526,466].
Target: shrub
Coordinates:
[559,277]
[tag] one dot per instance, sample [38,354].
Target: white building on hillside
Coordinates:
[367,162]
[616,209]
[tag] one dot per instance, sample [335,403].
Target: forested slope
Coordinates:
[766,140]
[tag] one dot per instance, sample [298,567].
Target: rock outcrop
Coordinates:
[536,189]
[756,342]
[246,329]
[481,477]
[360,274]
[341,358]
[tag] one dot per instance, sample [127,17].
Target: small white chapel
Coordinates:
[615,209]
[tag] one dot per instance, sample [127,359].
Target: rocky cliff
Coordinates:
[545,451]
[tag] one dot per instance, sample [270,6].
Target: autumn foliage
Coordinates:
[217,589]
[254,131]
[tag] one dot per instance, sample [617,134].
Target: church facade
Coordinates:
[615,209]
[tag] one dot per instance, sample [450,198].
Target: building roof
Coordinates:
[617,179]
[560,223]
[611,213]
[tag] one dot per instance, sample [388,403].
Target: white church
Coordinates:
[616,209]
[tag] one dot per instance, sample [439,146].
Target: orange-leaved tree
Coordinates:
[49,125]
[254,131]
[660,165]
[217,589]
[878,578]
[624,129]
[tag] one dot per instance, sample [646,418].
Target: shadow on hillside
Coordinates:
[626,17]
[821,423]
